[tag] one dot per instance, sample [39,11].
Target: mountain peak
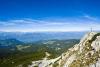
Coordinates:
[84,54]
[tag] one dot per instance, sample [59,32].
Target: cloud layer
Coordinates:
[83,23]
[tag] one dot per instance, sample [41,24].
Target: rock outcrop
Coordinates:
[84,54]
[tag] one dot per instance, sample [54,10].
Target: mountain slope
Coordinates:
[84,54]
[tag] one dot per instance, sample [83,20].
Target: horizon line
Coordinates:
[48,31]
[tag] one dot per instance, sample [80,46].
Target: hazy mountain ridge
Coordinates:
[10,42]
[37,36]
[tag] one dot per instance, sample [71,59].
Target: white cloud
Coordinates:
[65,24]
[90,17]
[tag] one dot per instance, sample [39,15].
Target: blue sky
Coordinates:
[49,15]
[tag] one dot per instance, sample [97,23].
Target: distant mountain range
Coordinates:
[10,42]
[37,36]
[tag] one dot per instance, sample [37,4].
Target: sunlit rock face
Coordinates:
[96,44]
[84,54]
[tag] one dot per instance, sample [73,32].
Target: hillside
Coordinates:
[84,54]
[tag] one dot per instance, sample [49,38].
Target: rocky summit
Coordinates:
[84,54]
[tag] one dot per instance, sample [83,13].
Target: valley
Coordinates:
[15,53]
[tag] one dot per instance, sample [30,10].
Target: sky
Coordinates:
[49,15]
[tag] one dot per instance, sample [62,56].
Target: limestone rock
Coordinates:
[84,54]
